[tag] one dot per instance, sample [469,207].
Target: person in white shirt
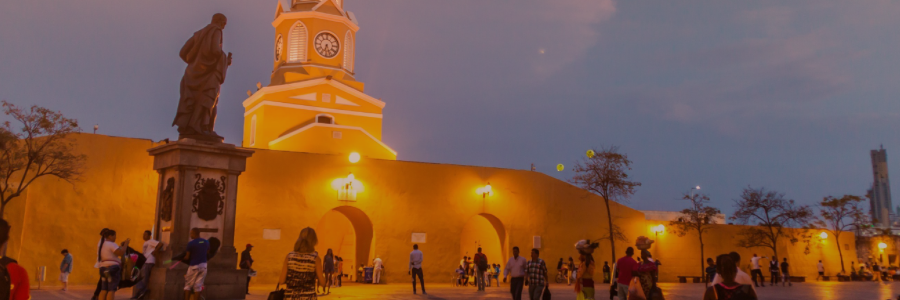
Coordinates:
[741,277]
[150,249]
[110,265]
[756,271]
[515,268]
[821,268]
[379,266]
[415,268]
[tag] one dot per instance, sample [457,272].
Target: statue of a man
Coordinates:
[203,77]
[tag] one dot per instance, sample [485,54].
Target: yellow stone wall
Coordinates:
[289,191]
[680,256]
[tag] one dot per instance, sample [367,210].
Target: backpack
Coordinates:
[481,261]
[5,279]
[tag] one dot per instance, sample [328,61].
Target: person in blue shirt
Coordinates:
[65,268]
[197,253]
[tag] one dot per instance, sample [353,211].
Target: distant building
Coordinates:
[660,215]
[880,193]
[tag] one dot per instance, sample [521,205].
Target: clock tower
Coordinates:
[313,102]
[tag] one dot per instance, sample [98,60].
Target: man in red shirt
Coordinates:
[18,277]
[625,267]
[482,264]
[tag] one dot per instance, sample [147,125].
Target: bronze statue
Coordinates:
[203,78]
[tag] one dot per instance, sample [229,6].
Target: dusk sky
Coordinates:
[786,95]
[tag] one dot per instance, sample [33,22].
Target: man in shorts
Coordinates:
[65,268]
[197,252]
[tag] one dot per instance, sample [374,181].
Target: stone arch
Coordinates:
[488,232]
[349,233]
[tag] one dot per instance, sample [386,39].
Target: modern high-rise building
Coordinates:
[880,193]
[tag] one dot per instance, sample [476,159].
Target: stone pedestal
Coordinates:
[197,188]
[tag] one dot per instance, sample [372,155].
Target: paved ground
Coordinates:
[674,291]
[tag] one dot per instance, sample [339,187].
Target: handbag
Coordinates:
[635,291]
[278,294]
[546,294]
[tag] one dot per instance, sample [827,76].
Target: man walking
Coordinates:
[625,268]
[821,268]
[515,268]
[65,268]
[481,266]
[197,255]
[756,271]
[785,276]
[149,250]
[247,264]
[415,268]
[773,271]
[379,267]
[536,271]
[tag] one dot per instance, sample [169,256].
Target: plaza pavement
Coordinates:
[674,291]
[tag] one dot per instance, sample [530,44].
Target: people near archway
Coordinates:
[303,268]
[584,279]
[379,268]
[756,271]
[197,255]
[460,273]
[741,277]
[785,275]
[65,268]
[647,273]
[339,273]
[773,271]
[728,288]
[606,272]
[465,264]
[18,277]
[415,268]
[497,274]
[536,275]
[711,270]
[247,264]
[573,270]
[515,271]
[821,269]
[481,265]
[625,268]
[110,265]
[328,269]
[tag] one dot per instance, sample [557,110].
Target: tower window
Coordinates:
[348,52]
[324,119]
[297,43]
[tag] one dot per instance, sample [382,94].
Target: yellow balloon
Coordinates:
[560,167]
[590,153]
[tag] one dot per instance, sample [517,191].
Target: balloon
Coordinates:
[590,153]
[560,167]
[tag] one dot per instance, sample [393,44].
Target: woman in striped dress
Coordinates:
[302,268]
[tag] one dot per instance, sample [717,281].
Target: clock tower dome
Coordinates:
[313,102]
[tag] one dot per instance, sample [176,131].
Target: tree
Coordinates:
[41,147]
[837,215]
[605,174]
[697,218]
[771,214]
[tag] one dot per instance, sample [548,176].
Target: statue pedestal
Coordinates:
[197,188]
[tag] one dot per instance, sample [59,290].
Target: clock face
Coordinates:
[279,46]
[327,45]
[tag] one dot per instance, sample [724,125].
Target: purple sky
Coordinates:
[789,95]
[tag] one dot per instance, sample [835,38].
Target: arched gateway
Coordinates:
[485,231]
[347,231]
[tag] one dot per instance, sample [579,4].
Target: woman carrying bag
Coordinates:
[302,268]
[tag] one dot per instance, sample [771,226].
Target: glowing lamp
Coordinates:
[485,191]
[882,246]
[354,157]
[590,153]
[823,235]
[347,188]
[560,167]
[660,228]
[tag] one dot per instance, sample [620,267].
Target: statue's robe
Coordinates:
[202,80]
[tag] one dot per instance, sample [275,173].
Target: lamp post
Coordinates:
[692,191]
[485,191]
[657,229]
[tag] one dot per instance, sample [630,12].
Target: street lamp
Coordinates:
[657,229]
[692,191]
[485,191]
[823,235]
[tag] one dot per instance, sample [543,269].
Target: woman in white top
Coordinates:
[110,265]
